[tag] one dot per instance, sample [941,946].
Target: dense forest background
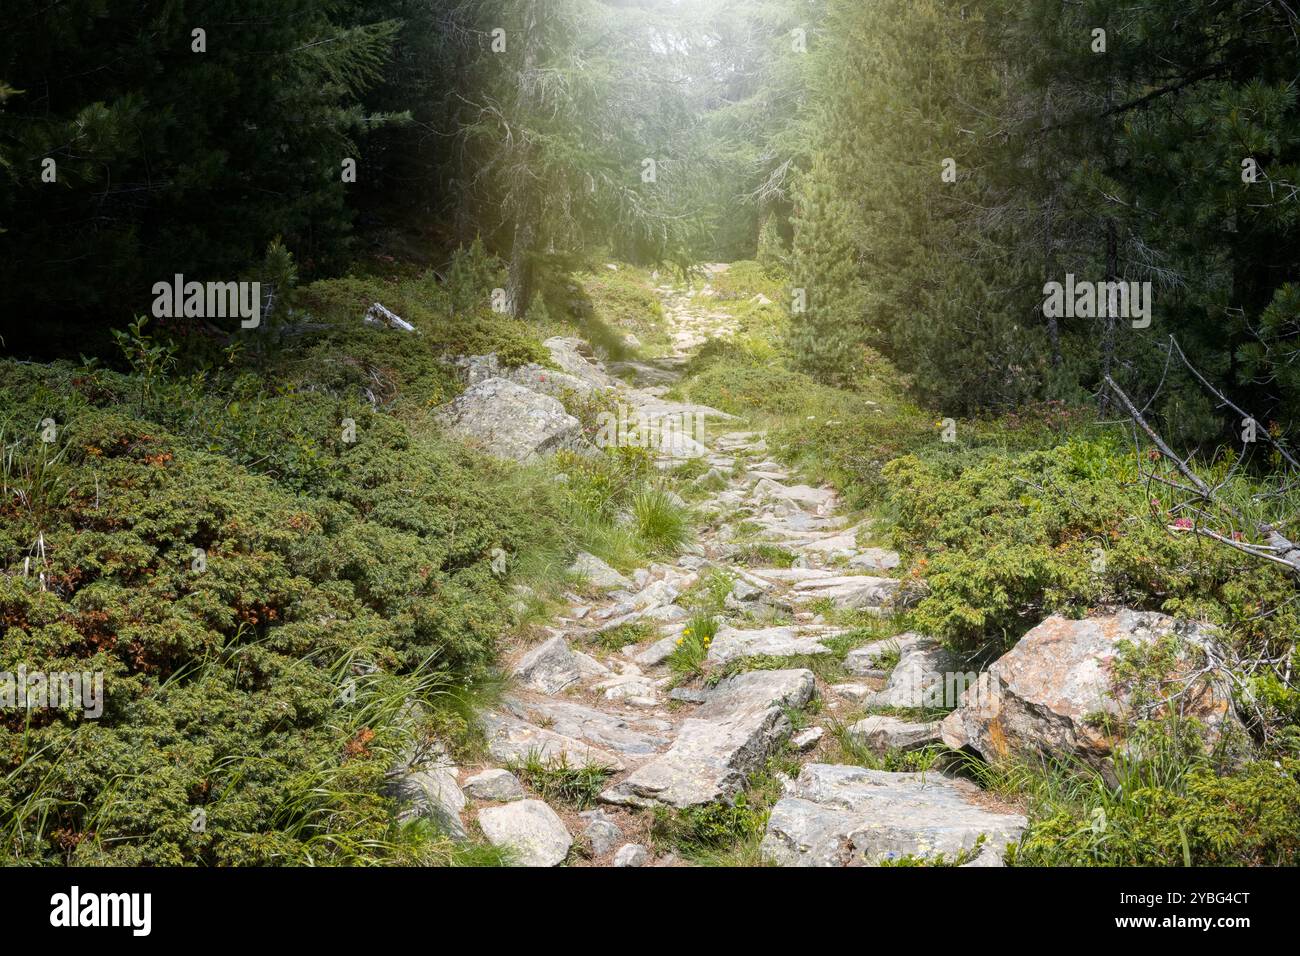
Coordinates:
[1105,139]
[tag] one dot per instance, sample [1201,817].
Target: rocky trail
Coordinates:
[581,699]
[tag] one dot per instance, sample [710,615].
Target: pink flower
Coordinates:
[1183,524]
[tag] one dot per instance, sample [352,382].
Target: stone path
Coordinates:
[579,700]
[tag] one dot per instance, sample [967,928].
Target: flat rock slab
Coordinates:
[731,644]
[532,832]
[817,499]
[726,740]
[511,739]
[875,559]
[792,575]
[849,590]
[510,421]
[598,573]
[841,815]
[580,722]
[881,734]
[500,785]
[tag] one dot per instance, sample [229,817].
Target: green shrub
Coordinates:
[659,521]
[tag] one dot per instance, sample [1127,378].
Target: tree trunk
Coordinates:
[519,281]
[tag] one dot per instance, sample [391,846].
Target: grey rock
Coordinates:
[808,738]
[550,667]
[880,734]
[430,791]
[862,660]
[633,854]
[743,589]
[854,693]
[598,573]
[656,653]
[721,744]
[841,815]
[529,829]
[689,695]
[567,353]
[510,739]
[604,730]
[510,421]
[499,785]
[854,591]
[602,833]
[926,675]
[875,559]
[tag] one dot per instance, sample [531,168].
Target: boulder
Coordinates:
[510,421]
[1042,694]
[501,785]
[567,353]
[532,832]
[842,815]
[602,833]
[926,675]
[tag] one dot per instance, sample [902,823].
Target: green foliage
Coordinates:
[339,581]
[688,657]
[660,521]
[190,168]
[1171,806]
[710,827]
[555,780]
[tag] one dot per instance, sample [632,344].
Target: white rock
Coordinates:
[633,854]
[529,829]
[807,739]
